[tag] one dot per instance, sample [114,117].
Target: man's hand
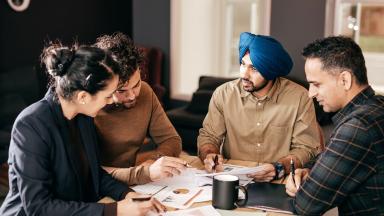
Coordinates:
[148,162]
[209,163]
[166,167]
[129,207]
[300,175]
[265,175]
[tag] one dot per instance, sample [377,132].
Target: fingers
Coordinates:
[209,163]
[267,173]
[158,207]
[297,181]
[132,194]
[145,207]
[219,167]
[171,171]
[166,167]
[173,164]
[291,194]
[290,186]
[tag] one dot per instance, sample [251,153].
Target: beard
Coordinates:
[254,88]
[129,104]
[119,106]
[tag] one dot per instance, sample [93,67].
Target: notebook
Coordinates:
[269,197]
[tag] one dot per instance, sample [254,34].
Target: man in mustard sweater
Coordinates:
[137,113]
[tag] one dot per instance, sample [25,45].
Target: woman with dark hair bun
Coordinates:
[53,163]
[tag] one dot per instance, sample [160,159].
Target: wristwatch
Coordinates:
[279,170]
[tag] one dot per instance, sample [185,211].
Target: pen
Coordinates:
[293,171]
[216,161]
[140,199]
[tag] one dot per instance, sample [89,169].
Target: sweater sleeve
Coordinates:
[132,175]
[162,132]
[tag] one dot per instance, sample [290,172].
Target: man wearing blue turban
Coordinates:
[261,116]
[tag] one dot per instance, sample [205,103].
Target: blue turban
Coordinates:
[268,56]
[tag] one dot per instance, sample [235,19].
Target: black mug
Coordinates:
[225,192]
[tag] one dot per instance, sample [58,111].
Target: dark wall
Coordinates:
[296,23]
[22,35]
[151,27]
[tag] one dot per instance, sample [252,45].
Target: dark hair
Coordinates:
[339,53]
[122,47]
[78,68]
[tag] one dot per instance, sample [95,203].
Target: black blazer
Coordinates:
[42,174]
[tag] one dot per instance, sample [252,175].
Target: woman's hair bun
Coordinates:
[57,59]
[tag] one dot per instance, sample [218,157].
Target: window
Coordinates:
[205,37]
[242,16]
[363,21]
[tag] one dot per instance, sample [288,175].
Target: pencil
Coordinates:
[194,196]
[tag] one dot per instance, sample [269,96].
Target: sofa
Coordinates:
[188,119]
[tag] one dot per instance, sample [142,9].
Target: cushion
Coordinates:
[180,117]
[200,102]
[211,83]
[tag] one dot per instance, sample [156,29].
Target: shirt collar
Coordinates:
[359,99]
[271,95]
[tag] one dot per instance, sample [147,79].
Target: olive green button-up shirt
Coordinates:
[262,129]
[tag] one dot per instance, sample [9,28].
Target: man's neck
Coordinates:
[264,91]
[355,90]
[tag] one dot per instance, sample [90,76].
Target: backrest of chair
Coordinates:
[152,69]
[211,82]
[202,96]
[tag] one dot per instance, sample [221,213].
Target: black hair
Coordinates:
[122,47]
[78,68]
[339,53]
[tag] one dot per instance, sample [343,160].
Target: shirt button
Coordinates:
[258,124]
[259,104]
[258,144]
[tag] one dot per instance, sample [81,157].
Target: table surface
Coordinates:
[196,162]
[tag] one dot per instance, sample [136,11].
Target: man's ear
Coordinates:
[82,97]
[346,79]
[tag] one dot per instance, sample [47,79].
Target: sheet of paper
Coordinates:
[180,197]
[149,189]
[234,171]
[198,211]
[191,181]
[243,179]
[241,213]
[205,195]
[187,178]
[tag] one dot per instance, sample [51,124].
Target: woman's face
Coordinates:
[101,98]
